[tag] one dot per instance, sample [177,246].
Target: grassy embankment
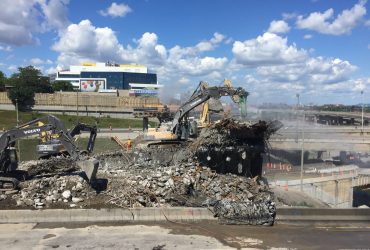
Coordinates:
[28,147]
[8,119]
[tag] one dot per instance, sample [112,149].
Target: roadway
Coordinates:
[180,235]
[324,138]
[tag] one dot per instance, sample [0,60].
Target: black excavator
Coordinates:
[48,124]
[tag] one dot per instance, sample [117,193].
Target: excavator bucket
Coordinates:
[90,167]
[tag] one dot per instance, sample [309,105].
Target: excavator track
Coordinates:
[8,183]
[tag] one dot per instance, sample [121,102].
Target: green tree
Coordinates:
[62,86]
[26,82]
[2,81]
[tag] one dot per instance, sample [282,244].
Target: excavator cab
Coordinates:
[52,146]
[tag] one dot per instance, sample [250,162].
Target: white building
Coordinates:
[100,77]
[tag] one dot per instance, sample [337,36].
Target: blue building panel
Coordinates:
[121,80]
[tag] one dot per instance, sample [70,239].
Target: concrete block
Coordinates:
[90,167]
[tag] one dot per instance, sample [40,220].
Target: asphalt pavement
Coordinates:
[172,235]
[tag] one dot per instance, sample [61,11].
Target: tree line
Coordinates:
[22,86]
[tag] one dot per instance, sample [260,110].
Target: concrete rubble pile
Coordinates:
[159,177]
[185,184]
[232,147]
[53,192]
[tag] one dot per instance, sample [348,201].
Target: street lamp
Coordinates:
[16,110]
[362,111]
[78,90]
[297,95]
[302,142]
[296,112]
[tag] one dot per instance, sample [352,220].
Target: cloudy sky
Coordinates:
[273,48]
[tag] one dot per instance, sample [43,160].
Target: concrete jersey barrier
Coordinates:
[172,214]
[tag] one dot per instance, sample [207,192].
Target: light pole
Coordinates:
[297,100]
[297,95]
[302,143]
[302,158]
[78,90]
[362,112]
[16,110]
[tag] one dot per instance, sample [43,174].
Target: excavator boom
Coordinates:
[201,95]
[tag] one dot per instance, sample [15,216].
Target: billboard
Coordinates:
[143,92]
[92,85]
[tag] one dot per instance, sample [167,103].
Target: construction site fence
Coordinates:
[89,99]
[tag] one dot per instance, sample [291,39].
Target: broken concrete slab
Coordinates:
[89,167]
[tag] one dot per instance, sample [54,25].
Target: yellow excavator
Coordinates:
[216,107]
[181,127]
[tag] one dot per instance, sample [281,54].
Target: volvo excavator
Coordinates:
[181,127]
[50,124]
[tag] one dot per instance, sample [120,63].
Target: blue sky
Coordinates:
[273,48]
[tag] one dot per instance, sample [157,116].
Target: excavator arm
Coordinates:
[201,95]
[76,130]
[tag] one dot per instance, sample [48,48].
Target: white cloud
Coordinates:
[342,24]
[83,41]
[268,64]
[367,22]
[315,71]
[268,49]
[36,61]
[307,36]
[287,16]
[5,48]
[277,61]
[17,21]
[20,20]
[39,61]
[278,27]
[116,10]
[13,68]
[352,86]
[277,70]
[210,44]
[184,80]
[55,12]
[199,66]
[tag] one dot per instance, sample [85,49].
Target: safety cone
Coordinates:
[286,186]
